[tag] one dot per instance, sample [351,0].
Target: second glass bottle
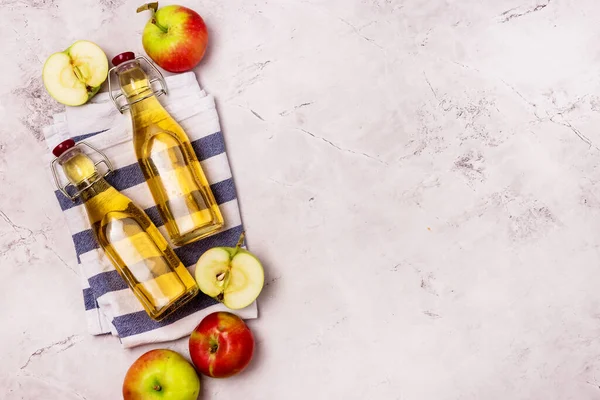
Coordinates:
[175,178]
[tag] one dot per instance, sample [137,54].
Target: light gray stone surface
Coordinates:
[420,178]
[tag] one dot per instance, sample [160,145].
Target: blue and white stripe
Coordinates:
[110,305]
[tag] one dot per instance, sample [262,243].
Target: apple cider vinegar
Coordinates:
[176,180]
[131,241]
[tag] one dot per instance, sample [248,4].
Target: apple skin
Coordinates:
[161,375]
[175,38]
[222,345]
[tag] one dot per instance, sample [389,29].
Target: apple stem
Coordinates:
[239,244]
[162,28]
[148,6]
[157,388]
[152,7]
[240,241]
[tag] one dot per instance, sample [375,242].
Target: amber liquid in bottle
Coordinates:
[173,173]
[131,241]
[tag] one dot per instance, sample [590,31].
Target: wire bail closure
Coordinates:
[77,194]
[159,78]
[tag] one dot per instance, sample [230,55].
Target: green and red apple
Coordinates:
[231,275]
[75,75]
[161,375]
[222,345]
[175,37]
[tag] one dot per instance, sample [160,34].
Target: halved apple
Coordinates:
[231,275]
[75,75]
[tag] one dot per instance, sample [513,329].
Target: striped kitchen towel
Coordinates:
[110,306]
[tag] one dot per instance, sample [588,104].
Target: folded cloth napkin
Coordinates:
[110,305]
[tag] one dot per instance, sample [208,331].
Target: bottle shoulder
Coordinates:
[102,198]
[148,111]
[157,128]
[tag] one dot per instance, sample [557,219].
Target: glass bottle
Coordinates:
[174,175]
[131,241]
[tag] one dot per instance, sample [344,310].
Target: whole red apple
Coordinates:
[161,375]
[222,345]
[175,37]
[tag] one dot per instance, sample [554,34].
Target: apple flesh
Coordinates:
[161,375]
[222,345]
[231,275]
[74,76]
[175,37]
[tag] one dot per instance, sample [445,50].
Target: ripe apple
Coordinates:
[161,375]
[222,345]
[75,75]
[175,37]
[231,275]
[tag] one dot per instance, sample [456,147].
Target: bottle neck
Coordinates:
[134,83]
[145,110]
[98,186]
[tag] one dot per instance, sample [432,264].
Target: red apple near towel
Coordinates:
[222,345]
[175,37]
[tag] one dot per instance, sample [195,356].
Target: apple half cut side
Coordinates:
[231,275]
[74,76]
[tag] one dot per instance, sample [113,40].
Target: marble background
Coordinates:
[420,178]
